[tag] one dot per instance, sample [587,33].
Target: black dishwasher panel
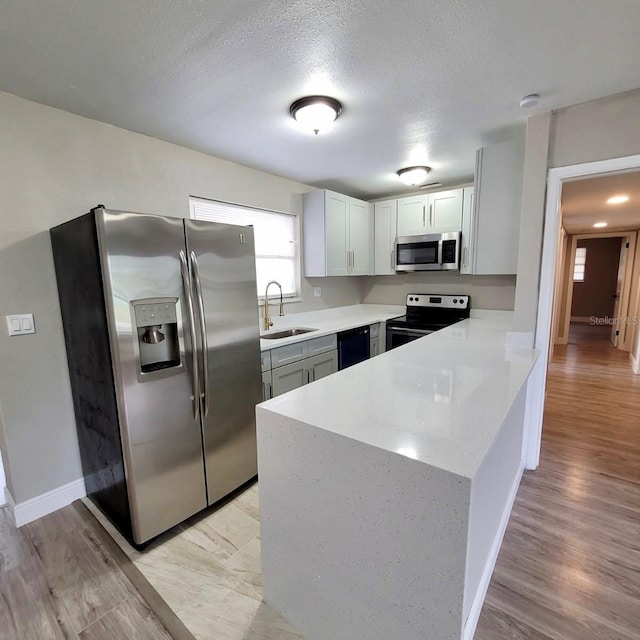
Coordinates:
[353,346]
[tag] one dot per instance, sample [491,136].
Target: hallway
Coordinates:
[569,567]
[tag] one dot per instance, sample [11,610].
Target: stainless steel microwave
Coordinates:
[432,252]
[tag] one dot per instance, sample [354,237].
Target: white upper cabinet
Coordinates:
[466,250]
[496,210]
[385,216]
[412,215]
[445,211]
[433,213]
[360,237]
[338,235]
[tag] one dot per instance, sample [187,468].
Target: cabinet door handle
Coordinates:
[431,215]
[391,265]
[464,258]
[353,258]
[423,214]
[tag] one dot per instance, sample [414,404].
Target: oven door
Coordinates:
[397,336]
[419,253]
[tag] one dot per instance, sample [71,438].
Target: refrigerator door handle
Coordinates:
[203,332]
[195,382]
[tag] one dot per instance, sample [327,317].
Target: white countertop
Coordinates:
[440,400]
[327,321]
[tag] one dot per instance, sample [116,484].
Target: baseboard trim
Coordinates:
[9,504]
[478,600]
[42,505]
[635,363]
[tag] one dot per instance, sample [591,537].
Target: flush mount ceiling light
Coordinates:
[599,225]
[618,199]
[413,175]
[315,112]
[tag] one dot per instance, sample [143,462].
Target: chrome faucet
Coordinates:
[267,320]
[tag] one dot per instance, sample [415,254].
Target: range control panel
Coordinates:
[437,301]
[153,311]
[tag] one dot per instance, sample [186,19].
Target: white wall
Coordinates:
[597,130]
[54,166]
[487,292]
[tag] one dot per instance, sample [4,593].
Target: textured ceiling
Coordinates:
[584,202]
[422,81]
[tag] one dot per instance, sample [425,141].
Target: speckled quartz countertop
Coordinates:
[440,400]
[327,321]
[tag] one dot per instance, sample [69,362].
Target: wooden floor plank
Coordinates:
[569,566]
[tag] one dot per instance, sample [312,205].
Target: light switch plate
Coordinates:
[317,292]
[20,325]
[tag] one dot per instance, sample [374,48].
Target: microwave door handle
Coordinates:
[195,382]
[203,332]
[440,242]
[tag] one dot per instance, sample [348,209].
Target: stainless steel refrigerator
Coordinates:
[161,328]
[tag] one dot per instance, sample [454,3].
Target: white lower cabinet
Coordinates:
[374,347]
[289,377]
[303,362]
[267,387]
[322,365]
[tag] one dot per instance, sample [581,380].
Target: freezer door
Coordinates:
[161,436]
[224,273]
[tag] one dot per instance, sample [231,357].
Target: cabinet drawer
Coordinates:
[289,353]
[265,358]
[322,344]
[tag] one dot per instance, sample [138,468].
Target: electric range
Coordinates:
[426,313]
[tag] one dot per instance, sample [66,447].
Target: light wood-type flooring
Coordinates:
[569,567]
[63,578]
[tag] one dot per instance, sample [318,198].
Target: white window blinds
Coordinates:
[275,239]
[579,265]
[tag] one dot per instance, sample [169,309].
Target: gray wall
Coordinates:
[597,130]
[55,166]
[487,292]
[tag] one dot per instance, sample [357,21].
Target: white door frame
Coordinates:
[552,225]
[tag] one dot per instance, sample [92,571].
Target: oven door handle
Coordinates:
[421,332]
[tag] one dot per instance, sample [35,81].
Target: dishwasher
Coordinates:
[353,346]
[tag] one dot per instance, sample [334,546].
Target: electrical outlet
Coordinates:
[317,292]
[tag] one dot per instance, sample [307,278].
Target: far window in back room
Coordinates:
[275,238]
[579,264]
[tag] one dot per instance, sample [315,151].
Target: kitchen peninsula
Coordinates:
[386,487]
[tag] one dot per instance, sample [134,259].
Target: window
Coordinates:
[275,239]
[579,264]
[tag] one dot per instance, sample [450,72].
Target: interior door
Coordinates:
[222,260]
[622,268]
[161,440]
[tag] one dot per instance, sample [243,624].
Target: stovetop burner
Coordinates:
[432,311]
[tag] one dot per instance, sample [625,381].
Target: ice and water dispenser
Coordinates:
[157,330]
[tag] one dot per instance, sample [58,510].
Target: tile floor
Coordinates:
[208,571]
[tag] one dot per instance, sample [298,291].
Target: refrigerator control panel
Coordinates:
[152,312]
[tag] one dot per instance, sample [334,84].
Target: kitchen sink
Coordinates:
[286,333]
